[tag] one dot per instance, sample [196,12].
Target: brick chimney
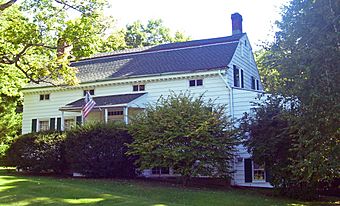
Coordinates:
[236,19]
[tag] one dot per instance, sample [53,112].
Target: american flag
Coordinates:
[89,104]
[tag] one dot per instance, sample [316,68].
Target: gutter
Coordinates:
[231,93]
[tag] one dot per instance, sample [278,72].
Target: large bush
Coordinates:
[98,150]
[37,152]
[188,134]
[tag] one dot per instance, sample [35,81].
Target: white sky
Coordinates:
[201,18]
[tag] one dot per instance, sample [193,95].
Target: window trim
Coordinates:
[39,124]
[44,97]
[261,169]
[138,87]
[195,81]
[88,90]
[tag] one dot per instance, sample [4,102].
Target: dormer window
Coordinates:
[195,82]
[139,87]
[91,91]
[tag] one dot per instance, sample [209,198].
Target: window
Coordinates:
[140,87]
[91,91]
[236,76]
[257,85]
[68,124]
[252,79]
[195,82]
[160,170]
[115,113]
[44,97]
[44,125]
[259,173]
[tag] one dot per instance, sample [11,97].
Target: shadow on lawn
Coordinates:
[32,190]
[19,191]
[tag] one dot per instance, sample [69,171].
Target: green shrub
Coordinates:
[37,152]
[98,150]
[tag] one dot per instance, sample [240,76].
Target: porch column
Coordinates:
[106,115]
[126,115]
[62,126]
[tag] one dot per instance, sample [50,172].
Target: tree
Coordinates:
[153,33]
[39,41]
[306,57]
[270,141]
[190,135]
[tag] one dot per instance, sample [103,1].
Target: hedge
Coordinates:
[98,150]
[37,152]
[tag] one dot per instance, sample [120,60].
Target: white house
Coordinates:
[122,82]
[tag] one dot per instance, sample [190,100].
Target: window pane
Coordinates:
[68,124]
[236,77]
[165,170]
[41,97]
[135,88]
[47,96]
[252,82]
[91,92]
[141,87]
[257,85]
[43,125]
[199,82]
[192,83]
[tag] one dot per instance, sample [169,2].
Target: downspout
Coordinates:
[231,95]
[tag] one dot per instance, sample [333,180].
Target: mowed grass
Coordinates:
[31,190]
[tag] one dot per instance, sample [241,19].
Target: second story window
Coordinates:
[139,87]
[238,77]
[91,91]
[252,79]
[195,82]
[257,85]
[44,97]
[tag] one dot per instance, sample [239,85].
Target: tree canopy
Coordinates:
[188,134]
[303,64]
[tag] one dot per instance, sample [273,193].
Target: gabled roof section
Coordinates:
[103,101]
[180,57]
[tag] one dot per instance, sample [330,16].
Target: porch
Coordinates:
[108,108]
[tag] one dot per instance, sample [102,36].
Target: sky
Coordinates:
[202,19]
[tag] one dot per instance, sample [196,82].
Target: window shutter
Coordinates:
[34,125]
[52,123]
[59,124]
[268,175]
[248,170]
[242,82]
[79,120]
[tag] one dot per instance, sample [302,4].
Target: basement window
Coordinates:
[44,97]
[259,173]
[139,87]
[160,171]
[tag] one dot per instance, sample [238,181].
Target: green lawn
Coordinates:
[29,190]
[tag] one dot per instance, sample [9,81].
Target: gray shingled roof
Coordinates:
[106,100]
[181,57]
